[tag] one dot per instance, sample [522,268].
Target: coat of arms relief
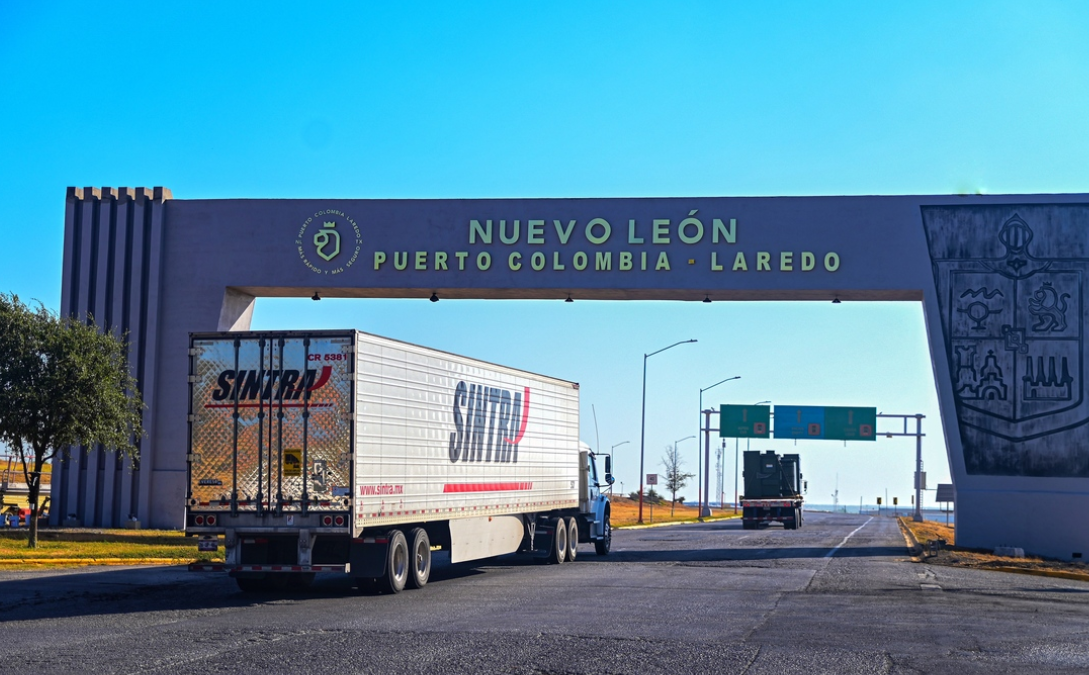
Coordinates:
[1011,285]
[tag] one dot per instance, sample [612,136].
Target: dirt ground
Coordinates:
[950,555]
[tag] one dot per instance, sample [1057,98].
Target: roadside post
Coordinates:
[652,479]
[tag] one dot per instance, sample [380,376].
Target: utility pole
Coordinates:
[920,475]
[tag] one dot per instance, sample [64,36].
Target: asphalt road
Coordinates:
[838,596]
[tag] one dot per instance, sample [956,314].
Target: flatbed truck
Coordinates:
[773,490]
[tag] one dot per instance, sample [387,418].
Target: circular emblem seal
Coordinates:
[329,242]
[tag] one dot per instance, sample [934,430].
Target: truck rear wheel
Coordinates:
[605,544]
[558,552]
[397,563]
[419,549]
[572,538]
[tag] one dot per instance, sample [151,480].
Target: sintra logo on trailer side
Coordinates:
[493,425]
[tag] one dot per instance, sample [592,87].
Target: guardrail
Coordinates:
[12,477]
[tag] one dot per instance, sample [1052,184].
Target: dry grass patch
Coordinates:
[626,512]
[953,556]
[104,544]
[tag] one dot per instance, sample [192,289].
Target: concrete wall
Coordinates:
[1021,454]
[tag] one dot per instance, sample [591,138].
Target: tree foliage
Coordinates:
[62,383]
[675,476]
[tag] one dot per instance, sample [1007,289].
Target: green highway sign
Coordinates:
[850,424]
[826,423]
[744,421]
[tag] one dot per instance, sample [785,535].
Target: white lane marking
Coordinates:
[833,551]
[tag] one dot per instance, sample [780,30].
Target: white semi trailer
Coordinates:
[344,452]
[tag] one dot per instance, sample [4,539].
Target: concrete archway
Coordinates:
[1003,281]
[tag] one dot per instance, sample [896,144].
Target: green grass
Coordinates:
[99,544]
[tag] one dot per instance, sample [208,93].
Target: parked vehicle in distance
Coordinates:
[773,490]
[345,452]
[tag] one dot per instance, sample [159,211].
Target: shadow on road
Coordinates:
[71,593]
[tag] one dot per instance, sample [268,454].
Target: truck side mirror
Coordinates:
[609,470]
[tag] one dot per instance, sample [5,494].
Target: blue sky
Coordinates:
[369,100]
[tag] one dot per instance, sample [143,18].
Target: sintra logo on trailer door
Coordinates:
[269,385]
[493,425]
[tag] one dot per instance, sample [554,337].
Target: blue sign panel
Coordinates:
[799,421]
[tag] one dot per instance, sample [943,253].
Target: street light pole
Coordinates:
[706,460]
[643,429]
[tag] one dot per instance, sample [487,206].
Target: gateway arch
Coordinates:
[1003,280]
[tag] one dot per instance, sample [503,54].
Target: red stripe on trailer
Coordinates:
[486,487]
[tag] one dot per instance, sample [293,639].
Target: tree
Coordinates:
[675,477]
[62,383]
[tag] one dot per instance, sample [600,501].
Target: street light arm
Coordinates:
[735,377]
[682,342]
[643,423]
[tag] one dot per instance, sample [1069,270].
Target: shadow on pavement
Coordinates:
[67,593]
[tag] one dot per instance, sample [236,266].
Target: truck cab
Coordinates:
[594,499]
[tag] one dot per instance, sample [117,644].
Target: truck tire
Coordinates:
[557,553]
[605,544]
[397,563]
[572,538]
[419,553]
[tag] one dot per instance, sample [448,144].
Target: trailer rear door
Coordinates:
[270,422]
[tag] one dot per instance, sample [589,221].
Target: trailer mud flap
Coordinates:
[367,557]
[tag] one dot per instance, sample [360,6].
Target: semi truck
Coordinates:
[349,453]
[773,490]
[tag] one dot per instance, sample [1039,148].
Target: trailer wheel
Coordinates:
[572,538]
[397,563]
[605,544]
[419,549]
[558,552]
